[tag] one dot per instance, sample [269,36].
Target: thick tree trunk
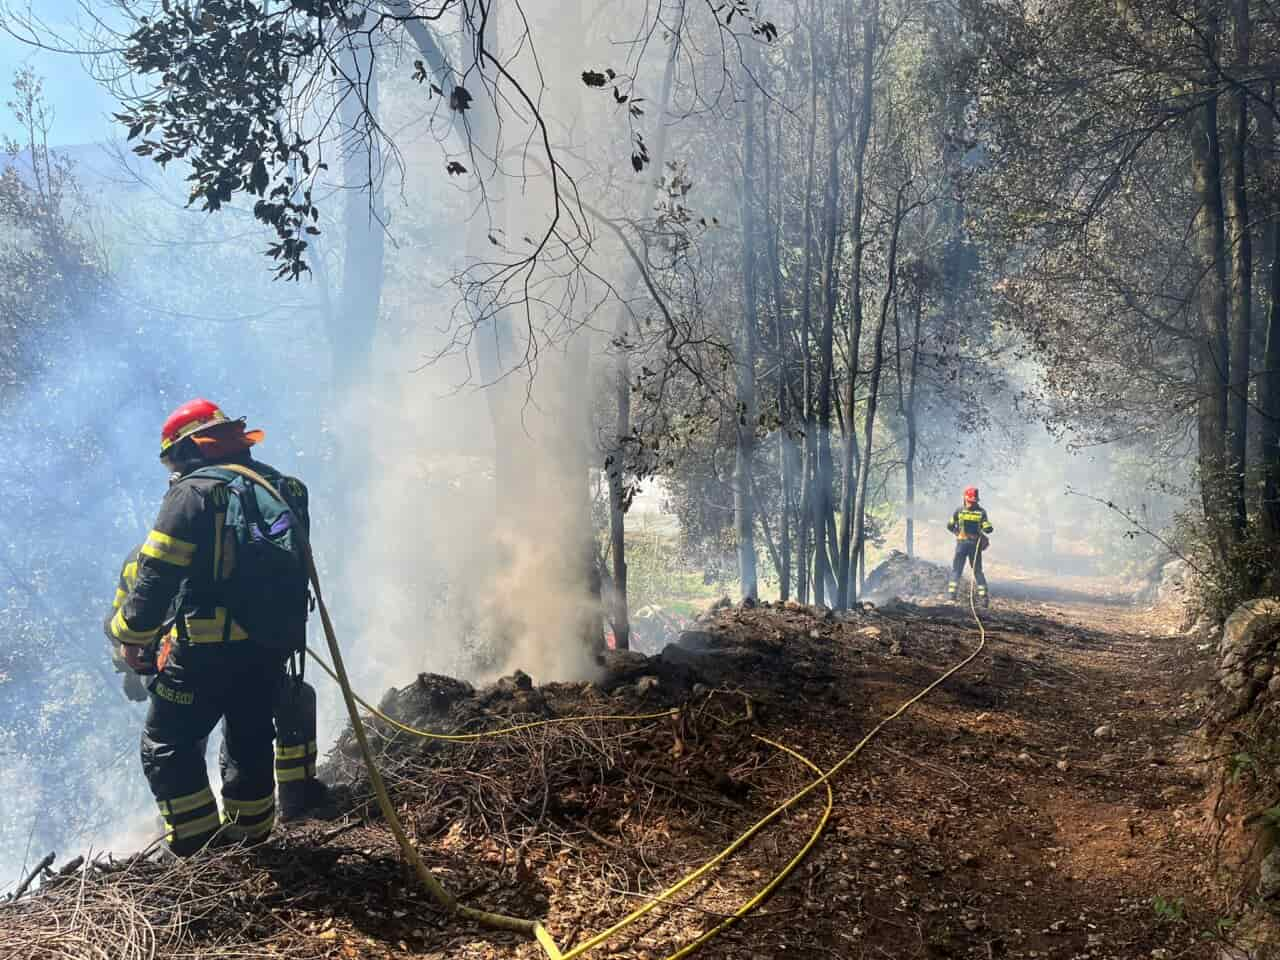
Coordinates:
[1241,285]
[1212,359]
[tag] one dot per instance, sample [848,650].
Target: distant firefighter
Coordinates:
[971,527]
[212,607]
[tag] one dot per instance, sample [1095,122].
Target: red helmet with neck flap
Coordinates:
[188,419]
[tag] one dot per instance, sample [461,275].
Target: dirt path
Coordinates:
[992,821]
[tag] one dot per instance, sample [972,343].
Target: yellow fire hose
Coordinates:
[532,928]
[665,896]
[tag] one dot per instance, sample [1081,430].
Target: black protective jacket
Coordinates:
[970,523]
[188,557]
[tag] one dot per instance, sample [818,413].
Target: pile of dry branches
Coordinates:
[144,907]
[542,787]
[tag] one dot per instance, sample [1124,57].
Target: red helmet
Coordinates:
[971,494]
[190,418]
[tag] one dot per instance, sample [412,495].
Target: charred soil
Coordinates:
[1044,803]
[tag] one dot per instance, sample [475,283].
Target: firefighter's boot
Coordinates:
[309,800]
[984,600]
[295,717]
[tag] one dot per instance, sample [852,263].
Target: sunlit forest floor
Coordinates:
[1047,802]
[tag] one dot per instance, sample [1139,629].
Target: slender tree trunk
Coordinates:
[615,459]
[873,390]
[763,517]
[744,369]
[808,530]
[852,460]
[844,577]
[910,414]
[833,546]
[1212,372]
[1269,380]
[1241,284]
[1269,403]
[574,459]
[821,502]
[619,615]
[805,518]
[782,341]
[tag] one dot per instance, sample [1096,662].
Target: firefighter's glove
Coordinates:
[141,658]
[134,688]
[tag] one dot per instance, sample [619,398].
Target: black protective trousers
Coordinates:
[967,550]
[237,682]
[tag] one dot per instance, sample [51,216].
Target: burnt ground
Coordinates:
[1036,805]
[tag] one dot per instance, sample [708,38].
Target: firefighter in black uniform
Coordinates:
[206,667]
[971,527]
[300,793]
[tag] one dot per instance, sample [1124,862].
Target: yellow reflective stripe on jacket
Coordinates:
[122,632]
[192,801]
[247,808]
[130,573]
[161,546]
[120,595]
[974,516]
[293,753]
[968,524]
[193,828]
[290,774]
[209,629]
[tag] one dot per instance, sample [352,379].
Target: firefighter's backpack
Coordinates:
[264,560]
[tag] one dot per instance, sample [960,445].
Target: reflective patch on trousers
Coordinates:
[183,698]
[248,819]
[192,828]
